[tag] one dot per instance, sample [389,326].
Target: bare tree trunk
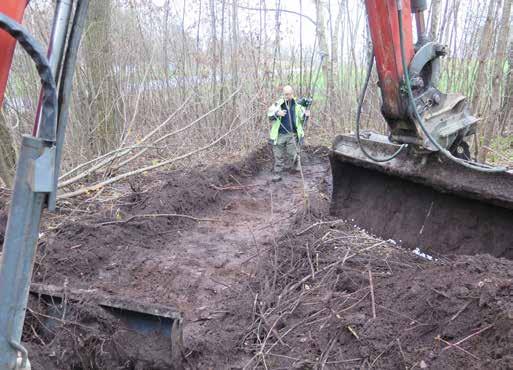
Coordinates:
[261,36]
[301,47]
[323,49]
[484,51]
[335,42]
[235,54]
[7,154]
[451,68]
[341,46]
[184,53]
[507,105]
[352,45]
[498,73]
[214,63]
[436,6]
[105,121]
[221,52]
[276,56]
[213,43]
[334,66]
[198,46]
[166,43]
[321,34]
[445,18]
[235,46]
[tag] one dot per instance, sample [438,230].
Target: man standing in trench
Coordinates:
[287,118]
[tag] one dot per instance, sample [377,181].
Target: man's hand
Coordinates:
[281,113]
[307,113]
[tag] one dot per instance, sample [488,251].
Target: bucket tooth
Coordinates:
[422,200]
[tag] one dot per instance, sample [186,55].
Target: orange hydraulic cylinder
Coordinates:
[384,30]
[13,9]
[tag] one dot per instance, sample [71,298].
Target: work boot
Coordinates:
[276,178]
[295,169]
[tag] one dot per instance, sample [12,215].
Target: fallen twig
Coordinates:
[455,345]
[466,338]
[461,310]
[366,249]
[326,354]
[302,322]
[224,284]
[110,157]
[352,331]
[319,224]
[123,176]
[244,189]
[155,216]
[234,187]
[402,353]
[373,301]
[97,159]
[164,137]
[310,261]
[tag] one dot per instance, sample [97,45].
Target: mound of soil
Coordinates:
[343,299]
[81,247]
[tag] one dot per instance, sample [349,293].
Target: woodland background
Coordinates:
[170,83]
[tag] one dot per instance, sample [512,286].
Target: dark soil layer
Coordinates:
[267,279]
[420,217]
[421,306]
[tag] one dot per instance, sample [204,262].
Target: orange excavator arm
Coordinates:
[444,118]
[13,9]
[418,184]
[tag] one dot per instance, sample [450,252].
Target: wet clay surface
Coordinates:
[418,216]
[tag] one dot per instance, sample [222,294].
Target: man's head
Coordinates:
[288,93]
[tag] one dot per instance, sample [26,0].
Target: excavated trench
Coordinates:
[419,216]
[215,274]
[173,275]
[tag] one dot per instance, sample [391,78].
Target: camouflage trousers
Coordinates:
[286,153]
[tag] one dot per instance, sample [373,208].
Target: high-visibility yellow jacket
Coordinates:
[276,120]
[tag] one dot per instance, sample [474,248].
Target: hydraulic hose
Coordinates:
[359,115]
[474,166]
[38,55]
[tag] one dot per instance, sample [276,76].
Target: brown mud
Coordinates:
[264,278]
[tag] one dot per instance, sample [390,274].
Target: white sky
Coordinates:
[249,20]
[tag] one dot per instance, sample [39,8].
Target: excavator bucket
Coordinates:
[422,200]
[154,325]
